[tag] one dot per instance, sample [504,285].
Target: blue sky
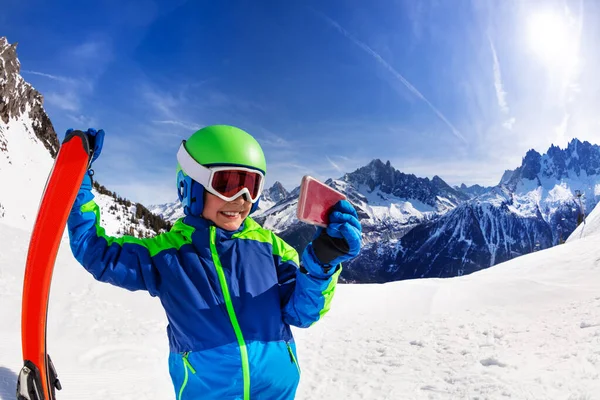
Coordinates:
[455,88]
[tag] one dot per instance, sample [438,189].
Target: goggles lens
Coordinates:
[230,182]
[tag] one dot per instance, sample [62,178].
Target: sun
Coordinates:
[550,36]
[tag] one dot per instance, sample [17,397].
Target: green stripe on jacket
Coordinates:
[179,235]
[253,231]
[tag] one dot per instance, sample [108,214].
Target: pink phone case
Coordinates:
[316,201]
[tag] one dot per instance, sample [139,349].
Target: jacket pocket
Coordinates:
[187,367]
[293,357]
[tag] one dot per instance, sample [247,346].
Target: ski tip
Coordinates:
[79,134]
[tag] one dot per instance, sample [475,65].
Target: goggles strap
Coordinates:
[192,168]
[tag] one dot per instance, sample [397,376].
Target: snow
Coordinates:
[24,168]
[552,194]
[525,329]
[281,216]
[382,206]
[169,211]
[590,226]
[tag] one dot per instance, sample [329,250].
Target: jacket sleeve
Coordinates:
[125,261]
[304,298]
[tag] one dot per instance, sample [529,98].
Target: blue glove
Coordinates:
[339,242]
[95,139]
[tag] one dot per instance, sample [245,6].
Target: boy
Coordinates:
[230,288]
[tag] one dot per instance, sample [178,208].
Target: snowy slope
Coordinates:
[168,211]
[24,168]
[589,227]
[525,329]
[27,142]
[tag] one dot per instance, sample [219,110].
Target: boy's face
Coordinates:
[228,215]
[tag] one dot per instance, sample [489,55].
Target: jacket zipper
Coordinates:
[186,366]
[293,357]
[231,312]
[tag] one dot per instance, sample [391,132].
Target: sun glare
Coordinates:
[549,36]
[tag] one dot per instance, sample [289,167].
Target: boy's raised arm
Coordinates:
[307,291]
[124,262]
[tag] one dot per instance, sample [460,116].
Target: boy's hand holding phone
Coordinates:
[338,237]
[339,242]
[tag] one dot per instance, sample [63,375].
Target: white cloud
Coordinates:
[334,164]
[53,77]
[148,192]
[93,55]
[68,101]
[185,125]
[485,172]
[509,123]
[275,141]
[68,93]
[165,103]
[83,121]
[500,93]
[561,130]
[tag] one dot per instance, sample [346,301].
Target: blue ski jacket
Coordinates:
[229,296]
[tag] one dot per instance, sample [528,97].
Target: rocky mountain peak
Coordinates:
[577,158]
[277,192]
[18,98]
[440,183]
[530,167]
[374,174]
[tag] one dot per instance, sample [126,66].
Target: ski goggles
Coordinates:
[226,182]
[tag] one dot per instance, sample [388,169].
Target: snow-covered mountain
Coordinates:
[169,211]
[506,176]
[28,145]
[389,203]
[272,196]
[535,208]
[473,190]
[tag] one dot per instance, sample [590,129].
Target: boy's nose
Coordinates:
[240,199]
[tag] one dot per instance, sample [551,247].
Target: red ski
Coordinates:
[38,379]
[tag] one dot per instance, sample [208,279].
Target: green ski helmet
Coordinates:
[208,149]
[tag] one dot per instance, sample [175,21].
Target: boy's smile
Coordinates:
[226,215]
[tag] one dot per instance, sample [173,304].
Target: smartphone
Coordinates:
[316,201]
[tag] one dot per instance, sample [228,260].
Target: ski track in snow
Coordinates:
[525,329]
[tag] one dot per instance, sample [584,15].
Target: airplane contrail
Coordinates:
[392,70]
